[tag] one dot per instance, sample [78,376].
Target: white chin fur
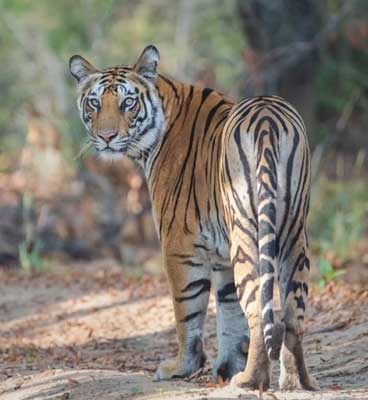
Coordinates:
[110,156]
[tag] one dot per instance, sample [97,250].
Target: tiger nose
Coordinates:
[107,136]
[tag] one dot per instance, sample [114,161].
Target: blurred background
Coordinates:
[59,204]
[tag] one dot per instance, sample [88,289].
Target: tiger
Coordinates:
[230,186]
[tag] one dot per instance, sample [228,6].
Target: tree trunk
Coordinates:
[284,39]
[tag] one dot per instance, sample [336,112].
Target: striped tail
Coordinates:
[273,332]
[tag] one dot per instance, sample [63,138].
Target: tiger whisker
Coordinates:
[85,148]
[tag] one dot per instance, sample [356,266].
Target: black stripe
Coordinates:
[203,284]
[235,195]
[228,289]
[173,88]
[299,261]
[268,317]
[191,316]
[252,296]
[246,169]
[289,174]
[191,263]
[267,291]
[300,302]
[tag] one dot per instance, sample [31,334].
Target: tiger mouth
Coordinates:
[109,150]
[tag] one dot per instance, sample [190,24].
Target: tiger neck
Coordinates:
[186,109]
[177,97]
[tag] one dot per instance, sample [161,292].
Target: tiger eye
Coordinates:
[128,101]
[94,103]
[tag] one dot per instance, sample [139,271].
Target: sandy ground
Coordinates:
[91,332]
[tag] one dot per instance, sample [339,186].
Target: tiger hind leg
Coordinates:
[257,371]
[294,290]
[232,330]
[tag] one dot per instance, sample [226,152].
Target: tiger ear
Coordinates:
[80,68]
[146,65]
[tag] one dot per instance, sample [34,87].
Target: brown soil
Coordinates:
[91,332]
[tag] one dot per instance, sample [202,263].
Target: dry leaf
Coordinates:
[72,383]
[211,385]
[335,387]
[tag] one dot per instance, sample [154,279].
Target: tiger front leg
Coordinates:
[231,326]
[190,285]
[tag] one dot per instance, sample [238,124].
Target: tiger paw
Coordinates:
[166,370]
[310,383]
[289,382]
[251,381]
[292,381]
[171,369]
[229,363]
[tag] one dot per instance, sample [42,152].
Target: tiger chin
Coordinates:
[230,187]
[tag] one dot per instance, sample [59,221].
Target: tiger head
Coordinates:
[120,106]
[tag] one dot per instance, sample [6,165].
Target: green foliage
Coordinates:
[29,251]
[31,355]
[37,39]
[344,65]
[218,46]
[346,75]
[136,390]
[328,273]
[30,259]
[337,223]
[338,217]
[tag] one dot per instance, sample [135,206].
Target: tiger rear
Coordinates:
[230,189]
[265,176]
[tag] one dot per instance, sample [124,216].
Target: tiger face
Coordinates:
[120,106]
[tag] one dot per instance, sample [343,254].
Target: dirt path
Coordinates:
[89,332]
